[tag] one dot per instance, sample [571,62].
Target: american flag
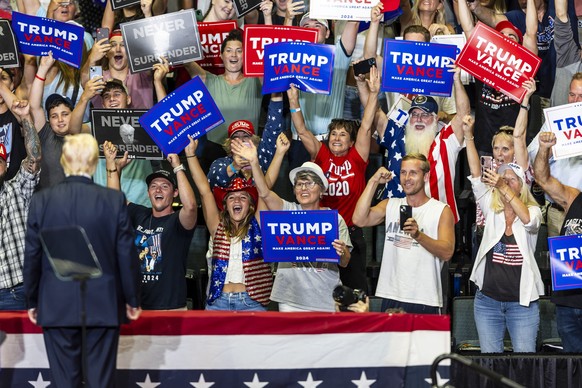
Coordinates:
[507,254]
[205,349]
[402,241]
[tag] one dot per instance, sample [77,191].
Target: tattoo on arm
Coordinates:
[32,144]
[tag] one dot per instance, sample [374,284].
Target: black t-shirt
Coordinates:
[572,225]
[503,271]
[162,245]
[493,110]
[11,137]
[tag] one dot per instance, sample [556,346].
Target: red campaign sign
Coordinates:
[211,37]
[258,36]
[498,61]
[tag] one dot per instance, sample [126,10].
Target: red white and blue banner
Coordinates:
[566,123]
[212,34]
[498,61]
[566,261]
[37,36]
[188,110]
[417,68]
[257,37]
[299,236]
[223,349]
[307,66]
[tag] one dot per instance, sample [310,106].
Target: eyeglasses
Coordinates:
[422,116]
[305,185]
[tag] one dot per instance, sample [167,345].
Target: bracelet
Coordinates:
[526,107]
[511,199]
[469,138]
[295,110]
[190,156]
[114,170]
[234,170]
[179,168]
[40,78]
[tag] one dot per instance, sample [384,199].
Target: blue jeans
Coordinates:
[570,328]
[235,301]
[492,317]
[13,298]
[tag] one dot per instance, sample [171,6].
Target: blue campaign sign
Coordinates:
[37,36]
[299,235]
[566,261]
[189,110]
[418,68]
[307,66]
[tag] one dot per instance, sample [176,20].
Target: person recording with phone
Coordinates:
[415,250]
[505,270]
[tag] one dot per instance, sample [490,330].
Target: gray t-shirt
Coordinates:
[310,285]
[51,171]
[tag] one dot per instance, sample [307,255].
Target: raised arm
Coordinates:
[293,10]
[364,138]
[189,211]
[21,108]
[492,179]
[98,51]
[209,207]
[520,129]
[270,199]
[364,214]
[194,69]
[472,154]
[37,91]
[92,88]
[562,194]
[281,149]
[349,37]
[465,18]
[114,166]
[462,104]
[160,72]
[487,15]
[312,145]
[530,38]
[108,17]
[273,128]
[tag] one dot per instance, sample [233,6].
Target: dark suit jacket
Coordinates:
[102,212]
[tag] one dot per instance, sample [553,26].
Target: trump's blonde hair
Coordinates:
[80,154]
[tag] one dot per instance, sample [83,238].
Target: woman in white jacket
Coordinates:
[505,271]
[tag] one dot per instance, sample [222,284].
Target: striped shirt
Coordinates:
[14,201]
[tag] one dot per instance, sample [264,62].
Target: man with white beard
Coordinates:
[421,134]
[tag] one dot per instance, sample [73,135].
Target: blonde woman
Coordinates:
[505,271]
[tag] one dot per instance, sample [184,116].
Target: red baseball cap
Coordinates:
[507,24]
[241,125]
[3,152]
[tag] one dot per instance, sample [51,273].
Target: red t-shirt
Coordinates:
[347,180]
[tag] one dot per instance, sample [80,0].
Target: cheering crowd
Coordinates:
[323,144]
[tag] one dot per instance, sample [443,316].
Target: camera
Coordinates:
[345,296]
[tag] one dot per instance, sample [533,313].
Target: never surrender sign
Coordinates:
[307,66]
[498,61]
[117,4]
[417,68]
[37,36]
[122,128]
[566,262]
[9,53]
[296,236]
[211,37]
[257,37]
[566,122]
[173,35]
[189,110]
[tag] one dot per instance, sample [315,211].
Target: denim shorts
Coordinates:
[235,301]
